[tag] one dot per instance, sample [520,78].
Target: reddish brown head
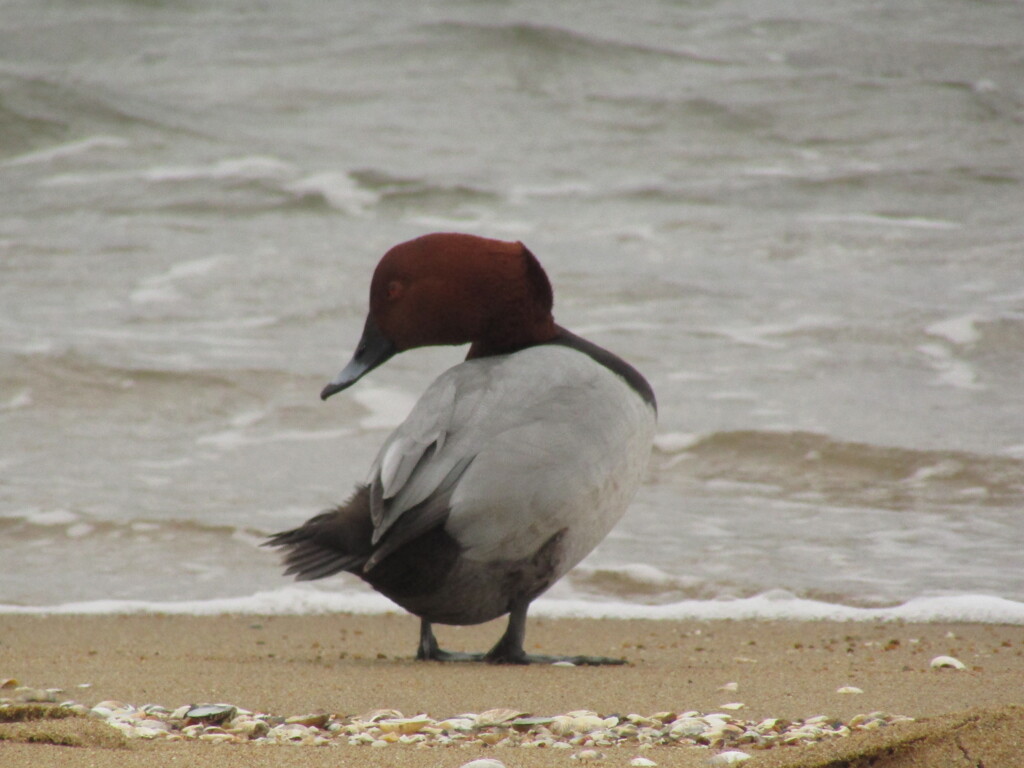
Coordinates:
[452,289]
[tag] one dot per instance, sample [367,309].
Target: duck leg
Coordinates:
[509,649]
[428,649]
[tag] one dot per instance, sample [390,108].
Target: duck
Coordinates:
[510,469]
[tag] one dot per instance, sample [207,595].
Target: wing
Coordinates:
[412,479]
[503,451]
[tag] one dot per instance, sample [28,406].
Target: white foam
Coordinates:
[760,335]
[952,372]
[22,399]
[243,168]
[54,517]
[960,330]
[339,190]
[675,442]
[291,600]
[911,222]
[68,150]
[255,168]
[232,439]
[78,530]
[772,605]
[519,194]
[160,289]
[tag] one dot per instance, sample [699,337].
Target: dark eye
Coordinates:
[394,290]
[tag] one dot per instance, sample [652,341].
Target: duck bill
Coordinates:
[374,349]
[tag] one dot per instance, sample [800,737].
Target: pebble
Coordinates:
[642,762]
[312,721]
[732,757]
[588,734]
[212,713]
[849,689]
[940,662]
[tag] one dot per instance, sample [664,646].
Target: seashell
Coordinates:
[217,738]
[211,713]
[497,717]
[251,729]
[490,738]
[687,727]
[588,755]
[730,687]
[524,724]
[720,717]
[115,706]
[732,757]
[8,683]
[727,731]
[381,714]
[180,712]
[641,720]
[588,723]
[733,706]
[561,725]
[849,689]
[940,662]
[809,731]
[457,724]
[143,732]
[562,663]
[317,720]
[483,762]
[642,762]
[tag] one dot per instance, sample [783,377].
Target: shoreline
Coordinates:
[349,665]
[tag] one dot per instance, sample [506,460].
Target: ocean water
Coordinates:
[803,224]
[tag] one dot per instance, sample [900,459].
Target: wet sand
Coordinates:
[353,664]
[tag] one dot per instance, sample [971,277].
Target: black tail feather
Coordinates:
[334,541]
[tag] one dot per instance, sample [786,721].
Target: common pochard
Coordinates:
[511,467]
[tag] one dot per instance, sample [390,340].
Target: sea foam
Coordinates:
[772,605]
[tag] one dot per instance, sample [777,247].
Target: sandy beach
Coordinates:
[348,665]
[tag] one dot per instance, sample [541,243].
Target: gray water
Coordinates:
[803,223]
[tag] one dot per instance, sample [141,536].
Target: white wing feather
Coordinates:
[521,446]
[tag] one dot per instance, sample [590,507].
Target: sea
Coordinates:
[804,223]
